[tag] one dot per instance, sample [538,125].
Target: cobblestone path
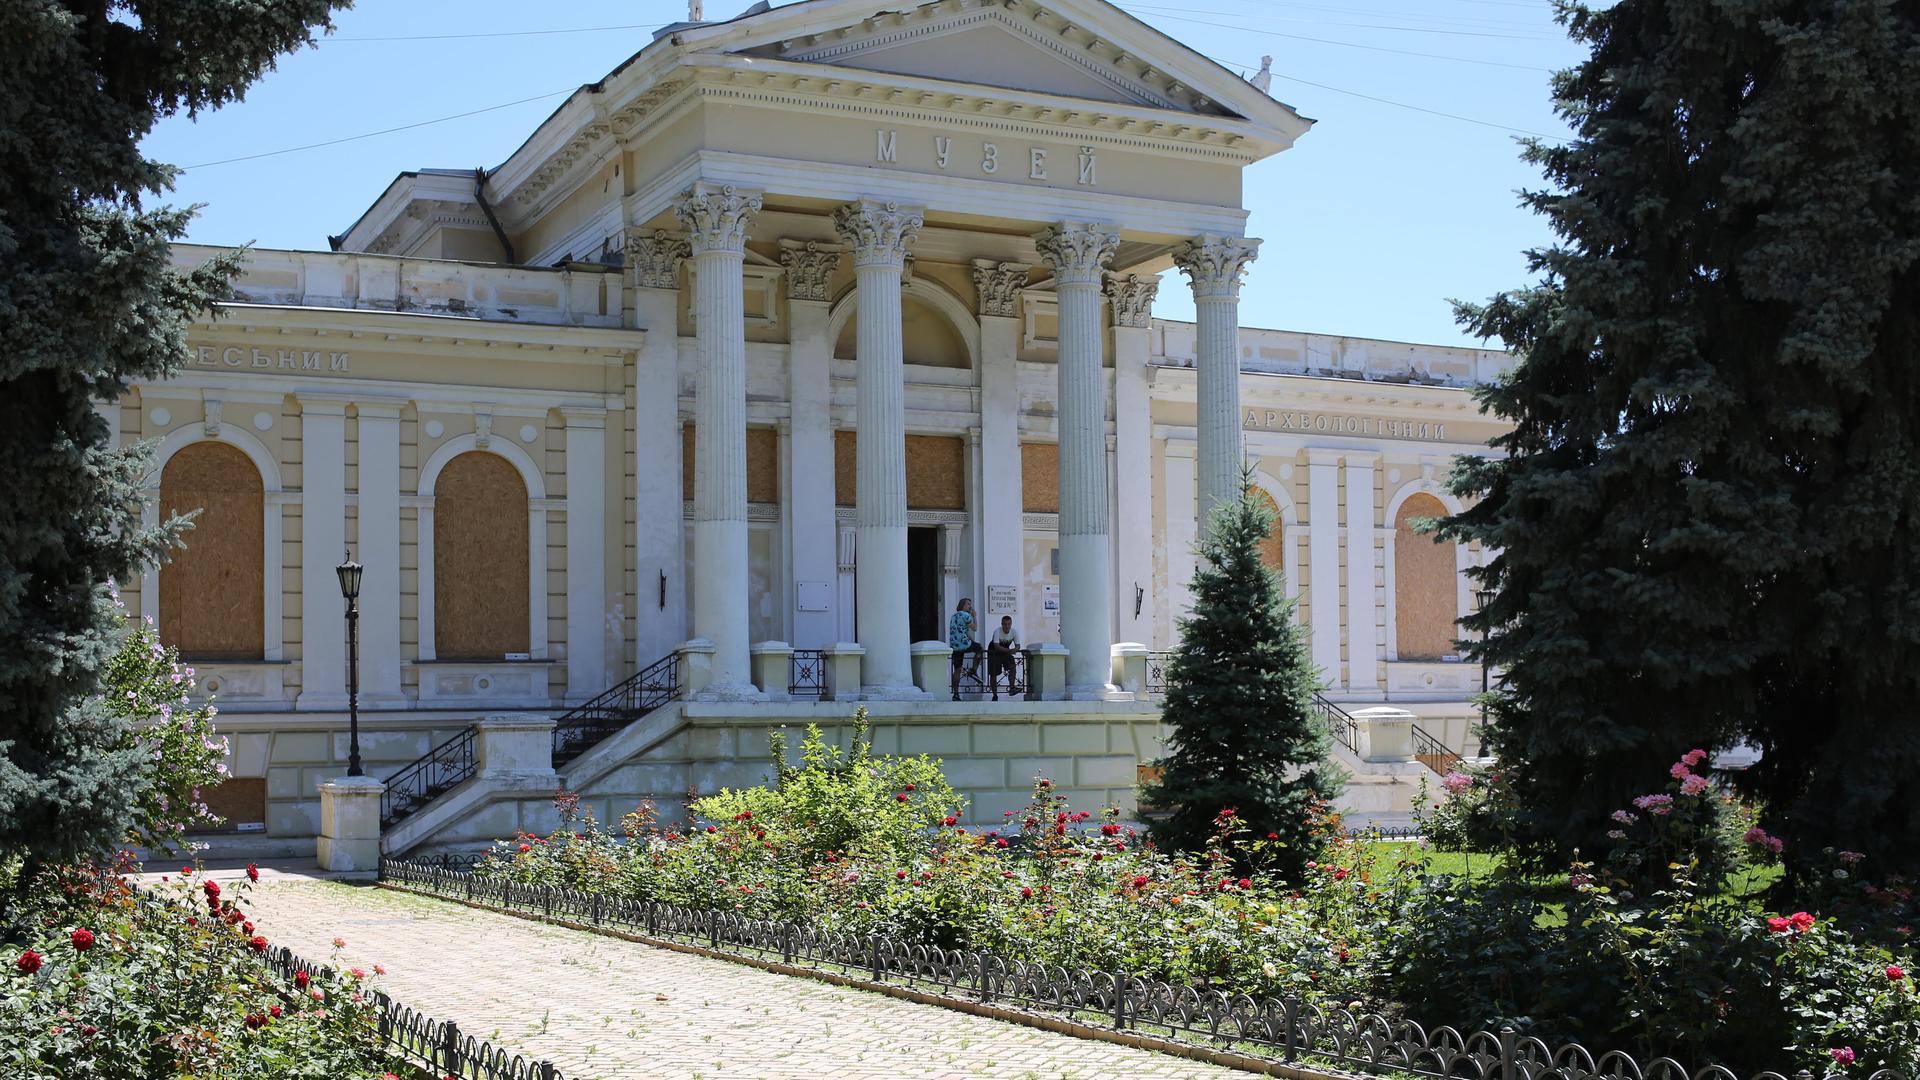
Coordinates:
[612,1009]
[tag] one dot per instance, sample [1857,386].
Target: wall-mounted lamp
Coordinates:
[1139,597]
[663,590]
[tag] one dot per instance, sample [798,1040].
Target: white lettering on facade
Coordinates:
[261,359]
[886,146]
[1285,420]
[942,149]
[990,160]
[1037,164]
[234,356]
[1086,165]
[310,361]
[886,151]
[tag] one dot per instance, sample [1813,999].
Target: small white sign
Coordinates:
[1050,599]
[1003,600]
[519,656]
[815,595]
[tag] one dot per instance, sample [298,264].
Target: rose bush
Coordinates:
[104,981]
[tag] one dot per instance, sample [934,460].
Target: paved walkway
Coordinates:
[601,1007]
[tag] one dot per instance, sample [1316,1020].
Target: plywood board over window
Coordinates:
[936,471]
[480,572]
[763,464]
[1273,548]
[1425,592]
[1040,478]
[212,596]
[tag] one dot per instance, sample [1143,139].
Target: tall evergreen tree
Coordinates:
[89,301]
[1240,688]
[1709,515]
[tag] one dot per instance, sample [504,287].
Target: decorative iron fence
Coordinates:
[1157,664]
[438,1044]
[807,674]
[1344,727]
[986,676]
[1433,753]
[443,768]
[1285,1028]
[646,690]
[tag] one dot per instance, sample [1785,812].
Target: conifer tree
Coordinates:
[1708,515]
[88,302]
[1240,687]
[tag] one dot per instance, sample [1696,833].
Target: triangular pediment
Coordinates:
[981,46]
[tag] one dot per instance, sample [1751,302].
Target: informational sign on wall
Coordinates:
[1003,600]
[1050,599]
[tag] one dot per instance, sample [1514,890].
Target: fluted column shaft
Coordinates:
[717,219]
[1215,264]
[879,234]
[1078,254]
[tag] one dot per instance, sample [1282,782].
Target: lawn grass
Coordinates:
[1750,884]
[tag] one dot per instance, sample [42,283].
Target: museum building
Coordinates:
[754,359]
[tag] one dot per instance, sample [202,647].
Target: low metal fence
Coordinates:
[1286,1028]
[1157,664]
[807,674]
[985,676]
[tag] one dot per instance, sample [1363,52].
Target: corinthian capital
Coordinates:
[654,257]
[809,268]
[1132,298]
[1215,264]
[1078,251]
[999,285]
[717,217]
[879,233]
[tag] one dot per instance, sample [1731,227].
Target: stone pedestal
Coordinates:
[843,670]
[932,662]
[1130,667]
[772,668]
[350,824]
[1047,672]
[696,667]
[1385,734]
[511,745]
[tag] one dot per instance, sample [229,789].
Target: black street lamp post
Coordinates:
[349,572]
[1482,598]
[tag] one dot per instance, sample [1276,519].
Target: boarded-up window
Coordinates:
[1040,478]
[936,471]
[763,464]
[1273,548]
[480,585]
[212,595]
[1425,591]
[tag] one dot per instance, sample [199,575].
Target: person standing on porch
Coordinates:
[960,640]
[1000,649]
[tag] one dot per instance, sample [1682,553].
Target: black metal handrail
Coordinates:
[1433,753]
[1157,665]
[441,769]
[807,674]
[648,689]
[1339,721]
[978,672]
[1283,1027]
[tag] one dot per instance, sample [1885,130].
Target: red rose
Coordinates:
[246,928]
[253,872]
[1139,880]
[212,889]
[1778,924]
[900,875]
[256,1021]
[1245,883]
[1895,972]
[257,943]
[28,963]
[191,921]
[300,979]
[524,848]
[1026,892]
[712,829]
[186,871]
[275,1010]
[1273,836]
[950,819]
[902,797]
[1340,874]
[89,1029]
[1800,921]
[82,940]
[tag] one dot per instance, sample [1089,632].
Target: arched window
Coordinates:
[212,594]
[1426,596]
[927,337]
[1273,550]
[480,571]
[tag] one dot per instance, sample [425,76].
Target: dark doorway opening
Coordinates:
[924,602]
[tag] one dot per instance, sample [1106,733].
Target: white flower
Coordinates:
[1267,969]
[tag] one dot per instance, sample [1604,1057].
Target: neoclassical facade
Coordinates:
[795,328]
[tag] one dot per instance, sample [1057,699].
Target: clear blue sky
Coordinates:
[1372,221]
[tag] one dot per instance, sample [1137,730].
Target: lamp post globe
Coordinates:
[349,572]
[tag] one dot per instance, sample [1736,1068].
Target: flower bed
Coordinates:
[856,844]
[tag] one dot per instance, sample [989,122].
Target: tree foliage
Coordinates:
[1245,734]
[89,301]
[1707,511]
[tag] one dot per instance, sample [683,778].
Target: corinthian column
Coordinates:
[1215,263]
[717,219]
[879,234]
[1078,254]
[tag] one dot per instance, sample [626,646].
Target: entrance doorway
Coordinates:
[925,605]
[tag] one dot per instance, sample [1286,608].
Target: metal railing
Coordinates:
[807,674]
[1433,753]
[1157,665]
[980,679]
[420,782]
[1285,1028]
[648,689]
[440,1045]
[1339,721]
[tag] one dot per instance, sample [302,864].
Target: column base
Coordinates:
[1098,692]
[727,692]
[893,693]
